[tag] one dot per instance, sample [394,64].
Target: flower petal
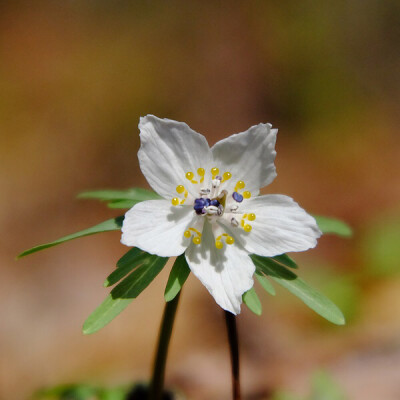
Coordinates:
[157,227]
[249,156]
[226,273]
[169,149]
[281,226]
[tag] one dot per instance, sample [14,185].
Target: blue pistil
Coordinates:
[201,203]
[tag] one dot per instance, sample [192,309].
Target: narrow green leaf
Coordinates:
[311,297]
[265,283]
[136,194]
[124,293]
[177,277]
[285,260]
[131,260]
[124,204]
[333,226]
[106,226]
[268,266]
[130,256]
[252,301]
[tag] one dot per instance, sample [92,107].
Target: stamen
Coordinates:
[228,240]
[251,217]
[201,172]
[175,201]
[180,189]
[239,185]
[246,194]
[226,176]
[214,172]
[247,228]
[189,176]
[196,239]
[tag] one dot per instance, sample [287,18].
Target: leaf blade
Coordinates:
[136,194]
[285,260]
[333,226]
[265,283]
[252,301]
[106,226]
[177,277]
[133,259]
[310,296]
[123,294]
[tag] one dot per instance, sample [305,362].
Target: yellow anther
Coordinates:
[214,172]
[219,244]
[187,234]
[247,228]
[175,201]
[251,217]
[246,194]
[240,185]
[226,176]
[189,175]
[180,188]
[230,240]
[201,171]
[196,240]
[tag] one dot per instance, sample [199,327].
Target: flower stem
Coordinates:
[234,352]
[157,380]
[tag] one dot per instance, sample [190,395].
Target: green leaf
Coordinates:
[135,194]
[125,204]
[114,224]
[124,293]
[130,257]
[131,260]
[311,297]
[252,301]
[265,283]
[177,277]
[333,226]
[285,260]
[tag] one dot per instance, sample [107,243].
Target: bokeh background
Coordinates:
[75,77]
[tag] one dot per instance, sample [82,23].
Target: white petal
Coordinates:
[249,156]
[169,149]
[281,226]
[157,227]
[226,273]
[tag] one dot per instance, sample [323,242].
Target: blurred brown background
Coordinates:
[76,76]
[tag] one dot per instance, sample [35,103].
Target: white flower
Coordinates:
[211,209]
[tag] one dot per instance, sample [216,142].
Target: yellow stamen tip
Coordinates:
[189,175]
[219,244]
[201,171]
[214,171]
[246,195]
[196,240]
[175,201]
[247,228]
[187,234]
[230,240]
[227,175]
[240,185]
[251,217]
[180,188]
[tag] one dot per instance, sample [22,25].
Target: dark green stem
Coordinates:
[157,380]
[230,320]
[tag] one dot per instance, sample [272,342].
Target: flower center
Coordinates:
[213,201]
